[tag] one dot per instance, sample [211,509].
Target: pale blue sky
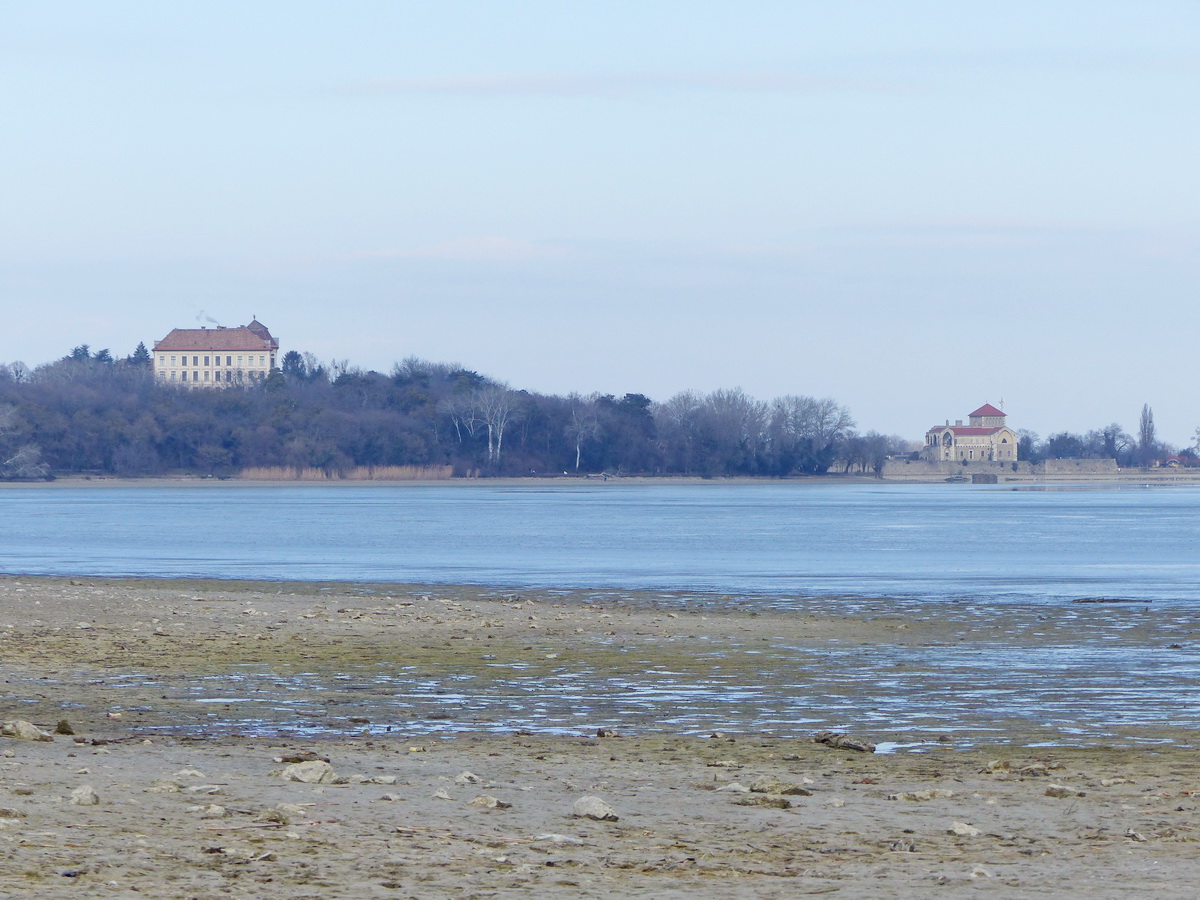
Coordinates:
[911,207]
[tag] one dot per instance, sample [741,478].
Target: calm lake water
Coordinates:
[1010,560]
[776,540]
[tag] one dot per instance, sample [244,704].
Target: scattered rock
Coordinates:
[843,741]
[442,794]
[63,727]
[725,764]
[383,779]
[923,796]
[902,846]
[24,731]
[488,802]
[7,812]
[606,733]
[559,839]
[85,795]
[316,771]
[594,808]
[467,778]
[964,830]
[1118,779]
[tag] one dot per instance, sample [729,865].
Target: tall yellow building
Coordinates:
[215,357]
[984,438]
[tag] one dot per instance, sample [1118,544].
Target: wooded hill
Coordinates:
[91,413]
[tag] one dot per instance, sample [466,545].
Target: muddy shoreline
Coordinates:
[387,682]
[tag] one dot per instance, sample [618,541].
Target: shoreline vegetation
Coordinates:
[91,413]
[147,791]
[444,475]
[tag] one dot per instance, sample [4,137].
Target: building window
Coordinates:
[239,362]
[195,360]
[229,360]
[262,360]
[195,376]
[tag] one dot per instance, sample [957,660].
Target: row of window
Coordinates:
[216,376]
[262,360]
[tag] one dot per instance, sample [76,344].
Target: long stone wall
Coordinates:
[1047,470]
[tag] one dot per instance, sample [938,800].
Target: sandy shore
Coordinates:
[187,808]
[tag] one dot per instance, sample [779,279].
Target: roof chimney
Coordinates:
[958,423]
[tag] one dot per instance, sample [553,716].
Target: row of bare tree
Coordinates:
[91,412]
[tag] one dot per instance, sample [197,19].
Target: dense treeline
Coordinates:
[1110,442]
[91,413]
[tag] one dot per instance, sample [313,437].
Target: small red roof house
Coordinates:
[208,357]
[986,439]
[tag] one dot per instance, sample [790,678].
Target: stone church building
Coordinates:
[985,438]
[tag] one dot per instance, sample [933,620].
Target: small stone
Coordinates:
[923,796]
[964,830]
[24,731]
[843,741]
[442,794]
[594,808]
[466,778]
[733,788]
[383,779]
[210,811]
[204,789]
[85,795]
[63,727]
[7,812]
[1061,790]
[313,772]
[769,801]
[488,802]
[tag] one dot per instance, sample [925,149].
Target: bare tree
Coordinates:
[496,406]
[585,423]
[1147,449]
[18,460]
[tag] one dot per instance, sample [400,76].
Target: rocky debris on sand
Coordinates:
[963,829]
[488,802]
[85,795]
[466,778]
[63,727]
[843,741]
[7,812]
[593,808]
[902,846]
[923,795]
[24,731]
[316,771]
[1061,790]
[606,733]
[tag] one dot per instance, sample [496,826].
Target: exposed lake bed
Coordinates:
[418,685]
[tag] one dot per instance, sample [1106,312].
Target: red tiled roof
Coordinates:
[242,338]
[969,429]
[987,410]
